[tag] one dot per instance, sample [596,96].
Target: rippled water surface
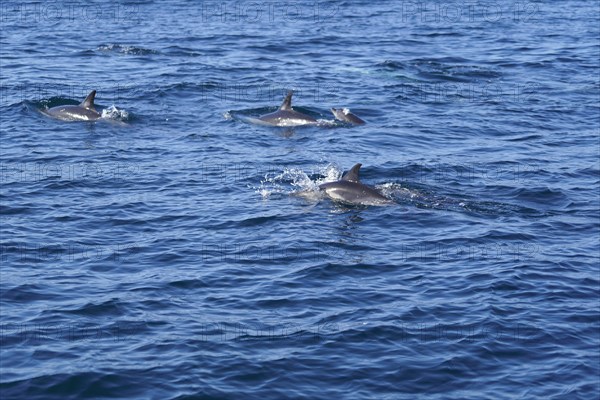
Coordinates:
[174,250]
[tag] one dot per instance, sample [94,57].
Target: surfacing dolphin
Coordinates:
[85,111]
[349,190]
[286,116]
[344,115]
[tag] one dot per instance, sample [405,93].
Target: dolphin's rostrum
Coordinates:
[85,111]
[344,115]
[350,190]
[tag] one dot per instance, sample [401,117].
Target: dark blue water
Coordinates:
[173,251]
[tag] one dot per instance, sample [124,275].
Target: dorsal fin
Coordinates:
[88,103]
[287,102]
[352,175]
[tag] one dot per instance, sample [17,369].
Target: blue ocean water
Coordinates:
[173,251]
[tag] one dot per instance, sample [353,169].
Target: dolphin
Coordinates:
[286,116]
[85,111]
[344,114]
[349,190]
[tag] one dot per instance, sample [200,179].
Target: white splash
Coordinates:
[114,113]
[294,181]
